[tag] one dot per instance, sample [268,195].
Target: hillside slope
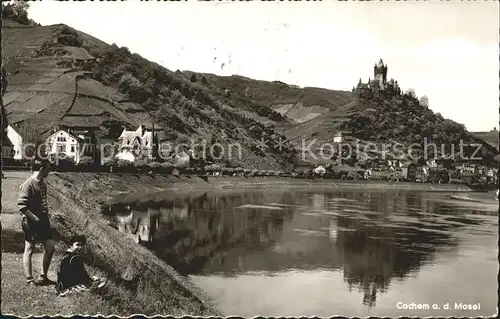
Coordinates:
[491,137]
[295,104]
[389,116]
[60,76]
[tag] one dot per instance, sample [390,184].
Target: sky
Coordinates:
[448,51]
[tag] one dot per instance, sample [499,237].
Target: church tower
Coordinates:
[380,74]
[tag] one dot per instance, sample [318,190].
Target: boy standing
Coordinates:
[32,204]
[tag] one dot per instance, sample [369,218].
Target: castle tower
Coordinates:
[380,73]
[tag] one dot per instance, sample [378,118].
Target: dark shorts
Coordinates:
[36,232]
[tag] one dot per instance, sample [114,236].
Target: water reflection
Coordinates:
[371,238]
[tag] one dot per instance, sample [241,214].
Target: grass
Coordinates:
[24,300]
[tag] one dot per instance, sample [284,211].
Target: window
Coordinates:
[61,148]
[72,148]
[61,138]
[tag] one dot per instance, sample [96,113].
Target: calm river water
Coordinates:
[325,253]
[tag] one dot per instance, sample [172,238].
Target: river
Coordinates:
[326,253]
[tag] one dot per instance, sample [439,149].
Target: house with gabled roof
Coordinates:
[136,144]
[65,144]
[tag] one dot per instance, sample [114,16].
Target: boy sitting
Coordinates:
[71,274]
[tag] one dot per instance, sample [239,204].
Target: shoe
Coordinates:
[44,281]
[67,292]
[81,288]
[102,283]
[30,281]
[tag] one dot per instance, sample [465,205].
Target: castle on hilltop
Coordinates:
[380,74]
[379,81]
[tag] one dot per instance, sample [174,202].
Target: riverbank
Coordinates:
[141,283]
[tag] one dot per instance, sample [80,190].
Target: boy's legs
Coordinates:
[28,253]
[48,246]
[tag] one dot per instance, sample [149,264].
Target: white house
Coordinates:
[63,141]
[132,144]
[17,141]
[337,138]
[320,170]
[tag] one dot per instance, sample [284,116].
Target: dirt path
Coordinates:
[17,297]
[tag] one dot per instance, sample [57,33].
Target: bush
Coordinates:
[154,166]
[109,162]
[86,161]
[124,166]
[166,167]
[141,166]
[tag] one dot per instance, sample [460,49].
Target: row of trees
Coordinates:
[17,11]
[122,166]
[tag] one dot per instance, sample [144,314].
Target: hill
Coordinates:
[390,116]
[363,115]
[296,104]
[61,76]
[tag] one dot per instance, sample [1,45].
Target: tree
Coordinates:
[411,92]
[17,10]
[31,134]
[424,101]
[20,7]
[86,161]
